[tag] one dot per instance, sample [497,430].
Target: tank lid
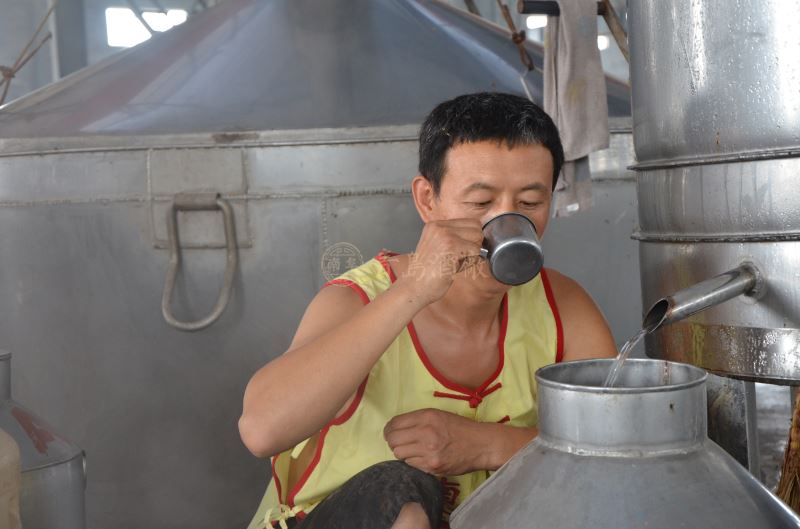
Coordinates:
[256,65]
[656,407]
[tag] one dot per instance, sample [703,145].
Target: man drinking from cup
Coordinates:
[410,378]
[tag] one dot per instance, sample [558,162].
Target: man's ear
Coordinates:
[424,198]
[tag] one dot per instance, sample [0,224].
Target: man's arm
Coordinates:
[586,333]
[337,343]
[339,340]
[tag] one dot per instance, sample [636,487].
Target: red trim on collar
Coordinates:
[548,291]
[382,259]
[473,396]
[480,391]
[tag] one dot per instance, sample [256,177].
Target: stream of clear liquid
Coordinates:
[624,352]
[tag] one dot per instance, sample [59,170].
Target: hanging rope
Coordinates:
[518,37]
[472,8]
[9,72]
[139,14]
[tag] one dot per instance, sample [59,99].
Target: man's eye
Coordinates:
[530,204]
[480,204]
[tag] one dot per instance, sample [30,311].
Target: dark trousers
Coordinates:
[372,499]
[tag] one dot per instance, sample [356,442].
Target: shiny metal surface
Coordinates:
[746,201]
[649,440]
[656,407]
[360,63]
[764,355]
[512,247]
[711,78]
[53,476]
[751,429]
[753,338]
[54,496]
[775,409]
[717,139]
[728,417]
[743,280]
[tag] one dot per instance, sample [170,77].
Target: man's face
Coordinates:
[485,179]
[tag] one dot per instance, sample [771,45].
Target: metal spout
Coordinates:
[701,296]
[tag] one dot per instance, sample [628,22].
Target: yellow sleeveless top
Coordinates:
[404,380]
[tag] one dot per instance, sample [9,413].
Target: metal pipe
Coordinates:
[751,428]
[548,7]
[701,296]
[55,62]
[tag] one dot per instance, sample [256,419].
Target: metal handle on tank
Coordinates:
[198,202]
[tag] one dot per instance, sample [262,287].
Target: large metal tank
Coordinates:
[716,122]
[635,455]
[303,115]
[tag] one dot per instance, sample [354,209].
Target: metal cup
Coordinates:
[512,248]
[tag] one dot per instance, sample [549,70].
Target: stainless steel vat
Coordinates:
[636,455]
[716,115]
[53,469]
[307,130]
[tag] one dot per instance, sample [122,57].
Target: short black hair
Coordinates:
[484,116]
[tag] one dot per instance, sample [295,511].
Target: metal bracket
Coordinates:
[604,9]
[198,202]
[548,7]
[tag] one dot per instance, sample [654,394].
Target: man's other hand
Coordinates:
[435,441]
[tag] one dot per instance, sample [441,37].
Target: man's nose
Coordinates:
[503,205]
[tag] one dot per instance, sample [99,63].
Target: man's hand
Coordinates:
[441,252]
[435,441]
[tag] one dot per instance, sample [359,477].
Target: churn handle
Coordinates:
[198,202]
